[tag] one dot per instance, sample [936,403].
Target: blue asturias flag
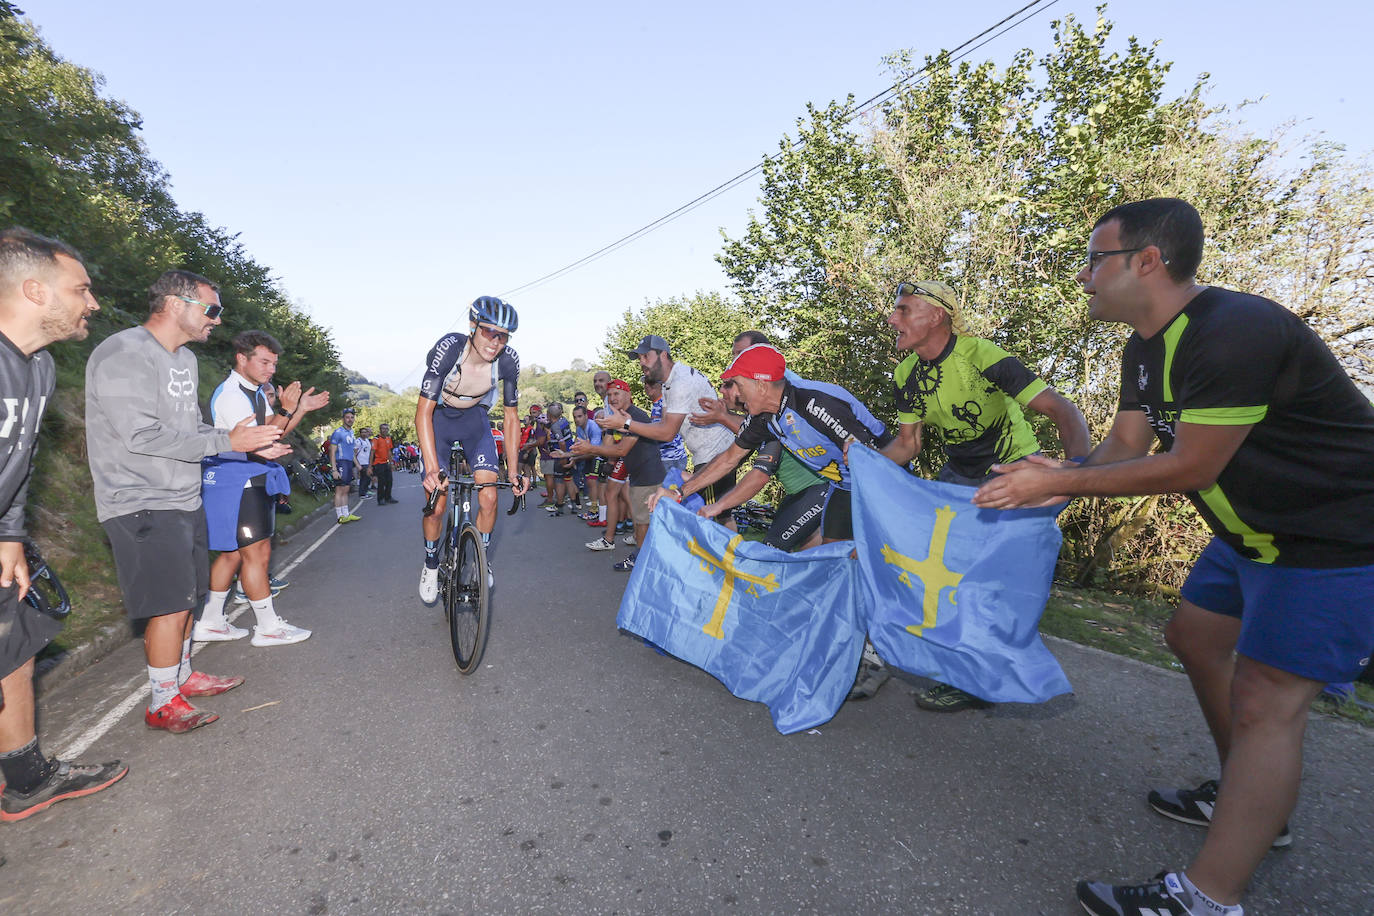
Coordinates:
[778,628]
[954,592]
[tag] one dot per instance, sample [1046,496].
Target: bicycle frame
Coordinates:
[464,576]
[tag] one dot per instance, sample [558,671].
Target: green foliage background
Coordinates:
[990,179]
[73,166]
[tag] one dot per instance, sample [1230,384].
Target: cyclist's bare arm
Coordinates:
[519,483]
[424,431]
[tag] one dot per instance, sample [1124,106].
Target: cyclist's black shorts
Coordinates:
[797,518]
[471,427]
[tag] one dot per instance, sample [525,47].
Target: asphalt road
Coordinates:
[578,771]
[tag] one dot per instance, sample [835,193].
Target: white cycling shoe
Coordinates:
[429,585]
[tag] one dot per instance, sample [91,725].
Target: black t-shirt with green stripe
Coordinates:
[1300,489]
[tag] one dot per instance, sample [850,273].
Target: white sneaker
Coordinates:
[429,585]
[283,634]
[600,544]
[629,540]
[224,631]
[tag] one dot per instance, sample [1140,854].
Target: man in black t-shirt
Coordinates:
[1272,441]
[45,296]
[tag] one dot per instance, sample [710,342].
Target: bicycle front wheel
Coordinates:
[468,601]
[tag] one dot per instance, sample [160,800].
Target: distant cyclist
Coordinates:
[462,373]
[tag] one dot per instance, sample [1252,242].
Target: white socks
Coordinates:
[265,613]
[1201,904]
[213,615]
[341,511]
[164,684]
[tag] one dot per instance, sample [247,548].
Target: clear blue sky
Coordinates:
[392,161]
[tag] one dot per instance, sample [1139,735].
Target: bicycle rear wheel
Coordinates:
[467,601]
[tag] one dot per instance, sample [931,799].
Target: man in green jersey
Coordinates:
[972,393]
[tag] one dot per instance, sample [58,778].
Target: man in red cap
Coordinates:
[815,421]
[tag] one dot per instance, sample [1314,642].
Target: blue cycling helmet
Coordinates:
[493,311]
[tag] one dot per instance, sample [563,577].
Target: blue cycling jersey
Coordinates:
[813,422]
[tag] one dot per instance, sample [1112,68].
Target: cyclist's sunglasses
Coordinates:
[493,334]
[915,289]
[212,309]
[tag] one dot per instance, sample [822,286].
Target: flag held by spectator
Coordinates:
[781,629]
[951,591]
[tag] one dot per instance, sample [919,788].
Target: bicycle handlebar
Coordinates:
[433,499]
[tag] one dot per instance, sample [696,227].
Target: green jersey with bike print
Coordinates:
[971,396]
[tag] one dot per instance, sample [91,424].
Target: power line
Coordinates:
[1000,28]
[854,111]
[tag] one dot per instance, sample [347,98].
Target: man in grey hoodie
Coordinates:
[145,439]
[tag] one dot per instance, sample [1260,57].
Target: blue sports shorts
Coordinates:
[1315,623]
[471,427]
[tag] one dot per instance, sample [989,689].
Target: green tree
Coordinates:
[990,179]
[699,328]
[73,165]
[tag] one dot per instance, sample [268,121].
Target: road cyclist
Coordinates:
[462,375]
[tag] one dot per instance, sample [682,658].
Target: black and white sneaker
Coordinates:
[1194,806]
[1164,896]
[869,679]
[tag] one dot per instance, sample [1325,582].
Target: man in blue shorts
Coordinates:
[342,451]
[238,492]
[1272,441]
[462,375]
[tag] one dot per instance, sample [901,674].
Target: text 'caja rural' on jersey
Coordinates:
[444,382]
[971,396]
[814,422]
[1300,489]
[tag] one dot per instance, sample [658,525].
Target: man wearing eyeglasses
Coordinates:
[1272,442]
[145,441]
[462,375]
[972,394]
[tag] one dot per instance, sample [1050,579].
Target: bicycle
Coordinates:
[315,477]
[753,516]
[464,577]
